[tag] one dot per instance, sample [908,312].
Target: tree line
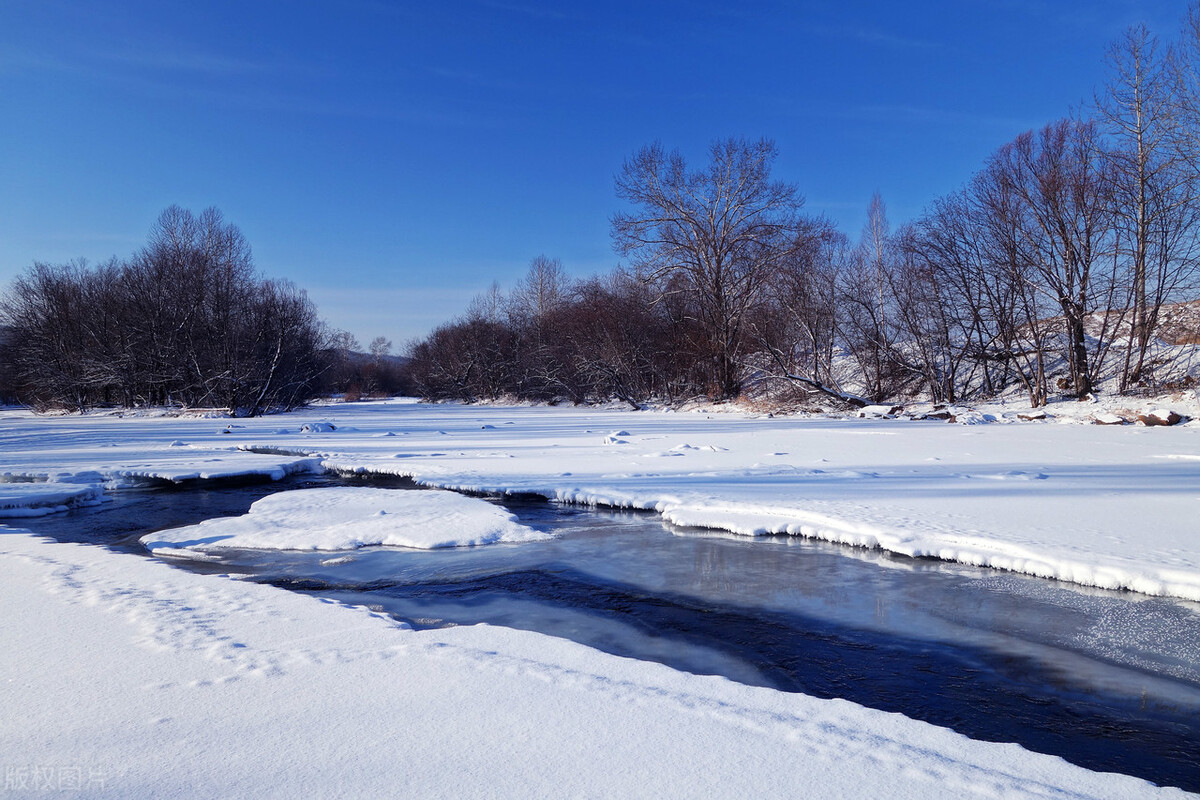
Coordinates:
[184,321]
[1052,269]
[1049,270]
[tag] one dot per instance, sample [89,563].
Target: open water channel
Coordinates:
[1107,680]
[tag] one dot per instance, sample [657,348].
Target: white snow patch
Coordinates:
[1111,510]
[37,499]
[345,518]
[879,411]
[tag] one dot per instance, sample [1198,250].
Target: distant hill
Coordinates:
[1179,323]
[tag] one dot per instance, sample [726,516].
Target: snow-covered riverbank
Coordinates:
[127,678]
[1109,506]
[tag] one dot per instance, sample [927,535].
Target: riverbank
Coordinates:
[1107,506]
[126,677]
[114,659]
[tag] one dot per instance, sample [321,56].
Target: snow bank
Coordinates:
[130,451]
[346,518]
[209,465]
[260,692]
[973,550]
[1112,507]
[36,499]
[1109,506]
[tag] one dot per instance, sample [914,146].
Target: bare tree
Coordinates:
[1153,190]
[800,331]
[876,246]
[185,321]
[544,288]
[536,310]
[615,340]
[948,241]
[865,299]
[380,348]
[1063,205]
[488,305]
[714,234]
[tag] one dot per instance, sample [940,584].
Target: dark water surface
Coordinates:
[1109,681]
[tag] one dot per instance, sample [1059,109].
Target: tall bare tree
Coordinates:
[1058,178]
[713,234]
[800,331]
[876,244]
[1153,191]
[864,296]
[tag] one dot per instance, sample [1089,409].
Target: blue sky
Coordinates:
[395,158]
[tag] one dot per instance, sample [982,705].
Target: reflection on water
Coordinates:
[1108,680]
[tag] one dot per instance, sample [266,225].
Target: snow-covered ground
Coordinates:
[36,498]
[1114,506]
[126,678]
[136,679]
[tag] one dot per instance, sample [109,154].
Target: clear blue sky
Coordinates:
[394,158]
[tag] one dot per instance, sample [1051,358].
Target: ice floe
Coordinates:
[345,518]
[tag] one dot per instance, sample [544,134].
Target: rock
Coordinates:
[1030,416]
[1108,419]
[971,417]
[1160,416]
[879,411]
[941,413]
[318,427]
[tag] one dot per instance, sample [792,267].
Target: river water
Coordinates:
[1107,680]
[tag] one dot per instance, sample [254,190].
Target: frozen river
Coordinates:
[1109,681]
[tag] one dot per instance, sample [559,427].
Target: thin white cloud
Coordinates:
[872,35]
[930,115]
[182,60]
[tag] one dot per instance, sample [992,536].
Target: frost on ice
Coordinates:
[345,518]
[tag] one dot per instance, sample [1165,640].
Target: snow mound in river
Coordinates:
[345,518]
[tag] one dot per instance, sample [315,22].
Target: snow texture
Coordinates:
[34,499]
[1059,497]
[127,678]
[347,518]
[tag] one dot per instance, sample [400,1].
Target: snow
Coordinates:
[29,499]
[1108,506]
[127,678]
[113,660]
[346,518]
